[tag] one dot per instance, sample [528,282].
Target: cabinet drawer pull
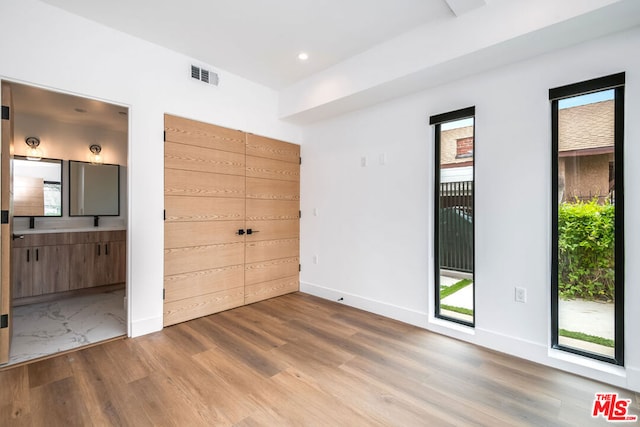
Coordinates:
[106,249]
[98,249]
[28,255]
[36,255]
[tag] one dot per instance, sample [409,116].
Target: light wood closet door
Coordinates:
[205,208]
[272,219]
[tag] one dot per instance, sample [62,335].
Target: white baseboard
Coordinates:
[145,326]
[402,314]
[633,378]
[628,378]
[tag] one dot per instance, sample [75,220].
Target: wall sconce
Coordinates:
[33,152]
[95,156]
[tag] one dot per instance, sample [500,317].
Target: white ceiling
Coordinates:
[260,40]
[64,108]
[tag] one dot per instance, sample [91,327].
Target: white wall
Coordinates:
[373,229]
[46,46]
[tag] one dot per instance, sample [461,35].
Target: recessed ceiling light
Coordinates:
[303,56]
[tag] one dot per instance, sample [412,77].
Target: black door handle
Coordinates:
[250,231]
[241,232]
[17,236]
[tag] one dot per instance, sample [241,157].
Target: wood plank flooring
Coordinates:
[294,360]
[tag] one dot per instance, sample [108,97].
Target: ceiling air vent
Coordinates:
[205,76]
[195,72]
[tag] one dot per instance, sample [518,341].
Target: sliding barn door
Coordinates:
[273,212]
[204,210]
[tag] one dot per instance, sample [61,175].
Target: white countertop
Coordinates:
[67,230]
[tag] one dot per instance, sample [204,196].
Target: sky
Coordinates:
[589,98]
[457,124]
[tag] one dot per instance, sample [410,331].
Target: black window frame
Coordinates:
[615,82]
[437,121]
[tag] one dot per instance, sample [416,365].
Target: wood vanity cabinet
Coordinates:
[97,259]
[40,265]
[58,262]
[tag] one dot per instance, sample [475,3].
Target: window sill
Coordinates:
[469,330]
[585,362]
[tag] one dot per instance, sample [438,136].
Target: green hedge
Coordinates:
[586,250]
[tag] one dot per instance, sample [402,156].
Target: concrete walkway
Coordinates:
[589,317]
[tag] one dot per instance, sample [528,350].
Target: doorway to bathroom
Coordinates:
[64,191]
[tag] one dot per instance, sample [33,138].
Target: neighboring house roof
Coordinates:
[587,127]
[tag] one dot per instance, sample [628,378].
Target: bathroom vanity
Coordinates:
[51,258]
[66,260]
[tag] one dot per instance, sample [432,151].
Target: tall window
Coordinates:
[453,215]
[588,204]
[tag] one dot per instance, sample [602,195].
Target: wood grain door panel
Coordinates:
[203,135]
[202,305]
[202,184]
[204,209]
[270,289]
[180,208]
[269,270]
[258,167]
[271,249]
[273,230]
[196,258]
[202,233]
[269,189]
[261,146]
[273,213]
[191,158]
[194,283]
[263,210]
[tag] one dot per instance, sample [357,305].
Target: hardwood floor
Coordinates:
[294,360]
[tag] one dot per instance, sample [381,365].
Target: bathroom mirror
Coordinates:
[37,187]
[94,189]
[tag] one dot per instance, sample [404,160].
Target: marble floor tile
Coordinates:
[47,328]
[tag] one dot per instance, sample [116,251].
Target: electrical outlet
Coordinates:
[521,294]
[363,161]
[315,259]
